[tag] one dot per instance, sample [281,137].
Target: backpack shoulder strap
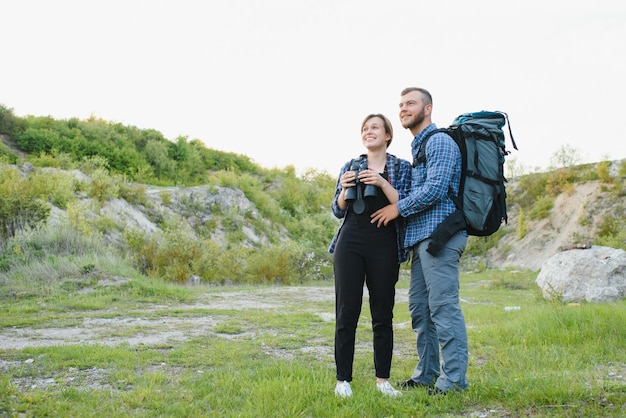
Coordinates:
[420,157]
[510,131]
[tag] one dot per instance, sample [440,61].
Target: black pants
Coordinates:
[364,254]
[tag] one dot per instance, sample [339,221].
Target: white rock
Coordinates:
[597,274]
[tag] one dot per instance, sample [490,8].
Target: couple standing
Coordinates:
[389,209]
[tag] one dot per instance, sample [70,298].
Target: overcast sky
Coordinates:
[288,82]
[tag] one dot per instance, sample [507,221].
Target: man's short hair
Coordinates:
[426,97]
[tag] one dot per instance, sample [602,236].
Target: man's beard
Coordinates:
[416,121]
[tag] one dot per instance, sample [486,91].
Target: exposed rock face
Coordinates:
[597,274]
[545,236]
[196,206]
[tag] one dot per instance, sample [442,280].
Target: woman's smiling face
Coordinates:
[373,133]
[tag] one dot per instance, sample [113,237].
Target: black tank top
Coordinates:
[372,205]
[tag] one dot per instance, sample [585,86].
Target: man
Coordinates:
[434,289]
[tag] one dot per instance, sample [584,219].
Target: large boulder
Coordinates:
[597,274]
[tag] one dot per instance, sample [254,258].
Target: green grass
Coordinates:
[545,359]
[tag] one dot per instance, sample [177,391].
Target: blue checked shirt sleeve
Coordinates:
[338,212]
[428,204]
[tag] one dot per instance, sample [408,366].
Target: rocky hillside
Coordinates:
[197,206]
[574,219]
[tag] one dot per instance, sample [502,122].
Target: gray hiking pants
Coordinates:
[437,317]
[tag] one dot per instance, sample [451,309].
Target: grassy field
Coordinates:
[194,351]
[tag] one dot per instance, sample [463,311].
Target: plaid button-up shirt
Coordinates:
[428,204]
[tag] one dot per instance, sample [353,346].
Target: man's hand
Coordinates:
[385,215]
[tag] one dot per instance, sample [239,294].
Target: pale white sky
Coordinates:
[287,82]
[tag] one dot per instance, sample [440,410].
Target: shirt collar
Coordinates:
[421,135]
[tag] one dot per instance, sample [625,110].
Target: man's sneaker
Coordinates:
[343,389]
[410,383]
[386,389]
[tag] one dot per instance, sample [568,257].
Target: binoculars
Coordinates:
[356,194]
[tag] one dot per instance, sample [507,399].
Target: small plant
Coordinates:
[166,197]
[610,226]
[21,203]
[105,224]
[565,156]
[275,264]
[603,169]
[478,246]
[522,225]
[560,181]
[618,189]
[229,328]
[88,268]
[79,216]
[541,208]
[103,186]
[54,186]
[584,220]
[611,232]
[133,193]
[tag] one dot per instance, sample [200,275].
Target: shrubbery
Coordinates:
[293,212]
[22,203]
[116,157]
[183,249]
[176,254]
[140,155]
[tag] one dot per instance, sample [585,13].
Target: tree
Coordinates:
[565,156]
[157,156]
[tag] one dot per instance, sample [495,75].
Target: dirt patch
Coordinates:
[12,146]
[136,329]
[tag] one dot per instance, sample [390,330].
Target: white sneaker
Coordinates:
[386,389]
[343,389]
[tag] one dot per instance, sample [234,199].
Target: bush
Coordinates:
[56,187]
[610,226]
[133,193]
[542,208]
[103,186]
[46,242]
[170,254]
[21,204]
[210,262]
[276,264]
[527,190]
[522,225]
[559,180]
[603,169]
[7,120]
[6,155]
[79,216]
[478,246]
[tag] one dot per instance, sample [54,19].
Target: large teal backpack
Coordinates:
[482,193]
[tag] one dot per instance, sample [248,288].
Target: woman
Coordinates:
[365,253]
